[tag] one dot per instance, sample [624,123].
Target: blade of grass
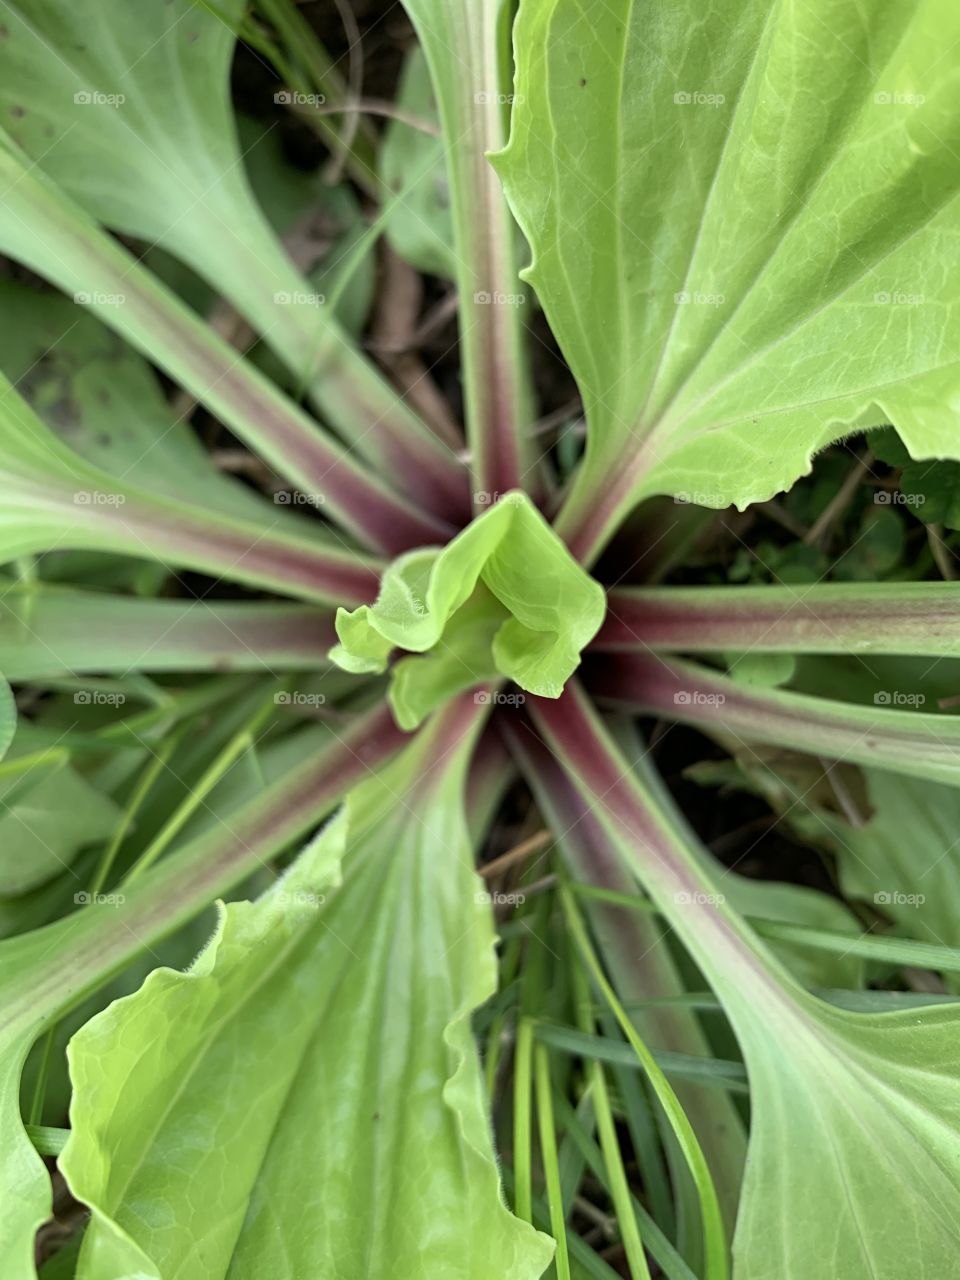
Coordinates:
[225,761]
[619,1187]
[522,1082]
[551,1168]
[685,1066]
[660,1247]
[715,1245]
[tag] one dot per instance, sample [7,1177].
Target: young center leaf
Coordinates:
[742,222]
[535,612]
[334,1119]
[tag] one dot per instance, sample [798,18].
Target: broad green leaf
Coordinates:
[741,220]
[851,1113]
[551,608]
[420,228]
[334,1013]
[46,972]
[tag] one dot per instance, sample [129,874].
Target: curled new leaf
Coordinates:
[540,606]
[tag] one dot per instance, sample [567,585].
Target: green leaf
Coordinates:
[850,1113]
[334,1014]
[464,45]
[739,220]
[796,904]
[48,631]
[102,399]
[931,492]
[45,973]
[54,497]
[552,609]
[130,115]
[904,858]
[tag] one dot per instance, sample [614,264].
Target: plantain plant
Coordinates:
[350,928]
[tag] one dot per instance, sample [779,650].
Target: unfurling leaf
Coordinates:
[540,607]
